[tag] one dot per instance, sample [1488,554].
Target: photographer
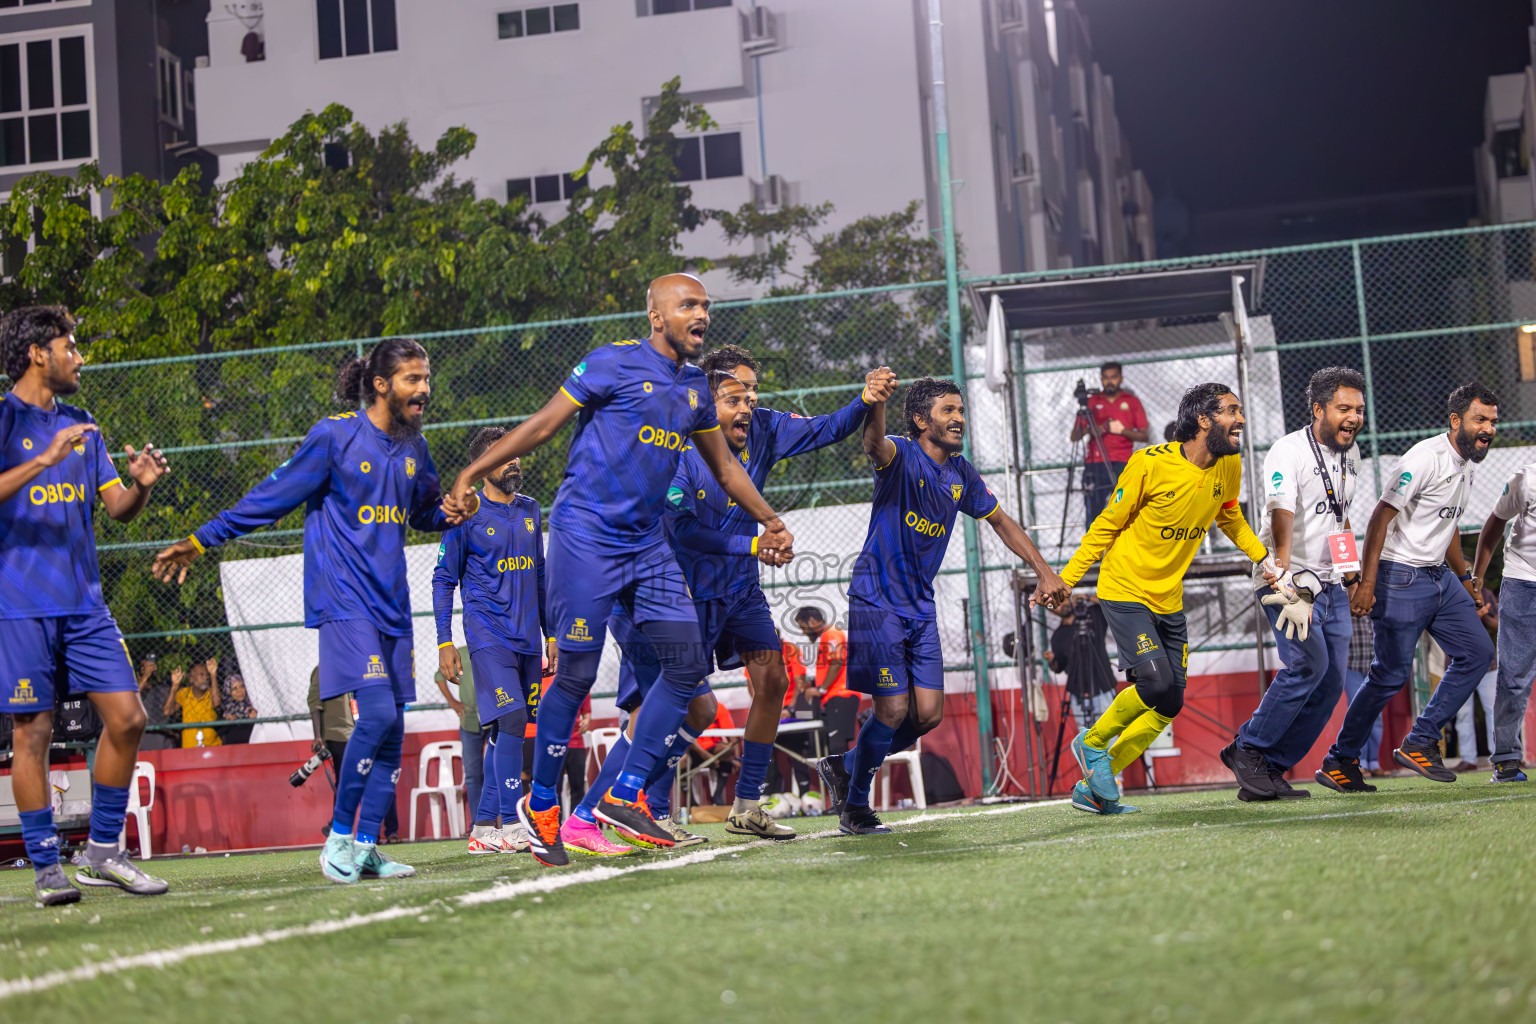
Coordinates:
[1078,649]
[1121,423]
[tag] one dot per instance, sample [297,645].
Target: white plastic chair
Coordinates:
[139,812]
[599,742]
[913,759]
[443,755]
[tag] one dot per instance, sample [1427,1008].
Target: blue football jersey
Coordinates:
[48,561]
[697,504]
[497,556]
[360,489]
[910,521]
[638,410]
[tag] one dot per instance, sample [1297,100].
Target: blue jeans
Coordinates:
[474,767]
[1410,600]
[1301,698]
[1370,757]
[1517,664]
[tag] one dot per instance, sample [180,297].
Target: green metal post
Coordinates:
[1365,366]
[977,624]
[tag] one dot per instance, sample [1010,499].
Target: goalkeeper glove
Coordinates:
[1294,596]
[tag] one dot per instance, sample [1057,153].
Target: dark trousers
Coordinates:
[1301,698]
[576,773]
[841,715]
[1098,485]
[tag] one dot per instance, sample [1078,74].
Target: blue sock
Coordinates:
[41,838]
[658,785]
[375,715]
[754,769]
[508,762]
[607,775]
[907,733]
[109,805]
[683,667]
[628,786]
[865,759]
[489,805]
[557,717]
[379,792]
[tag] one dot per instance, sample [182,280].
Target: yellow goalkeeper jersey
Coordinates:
[1161,509]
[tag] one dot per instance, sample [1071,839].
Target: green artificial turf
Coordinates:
[1413,904]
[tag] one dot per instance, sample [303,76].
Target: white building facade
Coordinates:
[816,101]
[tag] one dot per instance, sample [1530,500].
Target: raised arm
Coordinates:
[519,441]
[144,469]
[880,449]
[795,435]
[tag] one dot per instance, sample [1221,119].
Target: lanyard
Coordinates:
[1334,505]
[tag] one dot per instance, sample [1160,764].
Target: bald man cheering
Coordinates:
[637,403]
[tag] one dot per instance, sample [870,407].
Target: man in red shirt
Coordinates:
[839,705]
[1122,424]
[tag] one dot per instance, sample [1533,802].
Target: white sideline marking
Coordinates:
[499,892]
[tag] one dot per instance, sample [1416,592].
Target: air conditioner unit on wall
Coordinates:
[772,193]
[759,31]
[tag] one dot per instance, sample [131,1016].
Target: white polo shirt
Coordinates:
[1517,505]
[1293,484]
[1430,493]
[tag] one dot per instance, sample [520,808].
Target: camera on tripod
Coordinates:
[304,771]
[1082,391]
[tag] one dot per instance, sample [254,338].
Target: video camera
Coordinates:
[304,771]
[1082,391]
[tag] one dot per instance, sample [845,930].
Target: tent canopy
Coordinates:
[1117,298]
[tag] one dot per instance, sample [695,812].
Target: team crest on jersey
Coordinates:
[528,523]
[1216,491]
[693,399]
[410,467]
[955,489]
[79,446]
[375,669]
[1145,644]
[24,694]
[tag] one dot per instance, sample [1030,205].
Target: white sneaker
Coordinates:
[484,839]
[515,839]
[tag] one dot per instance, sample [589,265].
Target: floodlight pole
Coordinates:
[977,624]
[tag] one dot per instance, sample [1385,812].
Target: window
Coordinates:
[353,27]
[7,6]
[1508,150]
[708,156]
[538,21]
[677,6]
[45,113]
[545,188]
[168,82]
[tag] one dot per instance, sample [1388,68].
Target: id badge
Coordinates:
[1342,550]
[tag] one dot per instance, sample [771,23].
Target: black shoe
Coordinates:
[859,820]
[834,774]
[1508,771]
[53,888]
[1251,769]
[1425,759]
[1342,775]
[1247,797]
[632,819]
[1283,789]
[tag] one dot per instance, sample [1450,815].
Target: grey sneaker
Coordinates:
[53,888]
[111,868]
[373,864]
[747,818]
[682,835]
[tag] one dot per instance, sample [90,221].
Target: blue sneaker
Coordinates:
[1094,764]
[1084,799]
[1508,771]
[336,860]
[374,864]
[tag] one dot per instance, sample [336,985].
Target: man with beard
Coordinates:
[921,483]
[1409,584]
[497,556]
[54,624]
[363,478]
[1162,507]
[1310,476]
[1122,424]
[637,403]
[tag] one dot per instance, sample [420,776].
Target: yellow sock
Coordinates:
[1136,738]
[1127,707]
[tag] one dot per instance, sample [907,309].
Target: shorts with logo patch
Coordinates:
[42,659]
[639,668]
[737,624]
[354,655]
[1142,635]
[888,654]
[588,576]
[502,680]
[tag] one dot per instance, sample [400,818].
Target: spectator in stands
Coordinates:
[705,747]
[199,701]
[1078,648]
[1361,645]
[236,707]
[576,754]
[839,705]
[154,695]
[471,739]
[1487,688]
[1122,425]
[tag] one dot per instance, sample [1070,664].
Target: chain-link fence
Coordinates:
[1418,314]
